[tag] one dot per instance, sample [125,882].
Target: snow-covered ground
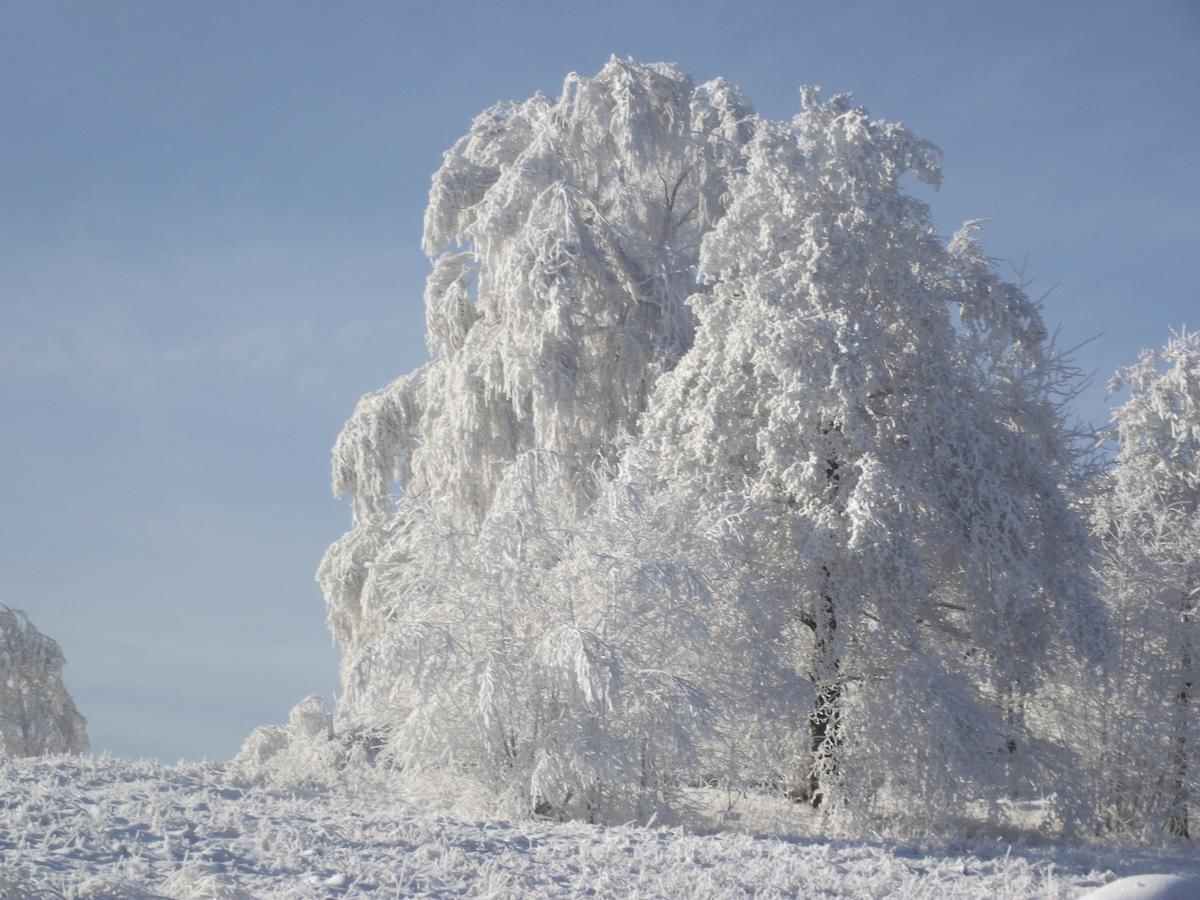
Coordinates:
[74,827]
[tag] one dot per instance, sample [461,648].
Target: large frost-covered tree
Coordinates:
[723,464]
[564,235]
[885,405]
[1148,518]
[37,715]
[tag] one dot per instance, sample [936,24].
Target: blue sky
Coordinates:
[210,218]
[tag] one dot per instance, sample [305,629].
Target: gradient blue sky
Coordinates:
[209,225]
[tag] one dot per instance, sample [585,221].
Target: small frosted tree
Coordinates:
[37,715]
[1148,519]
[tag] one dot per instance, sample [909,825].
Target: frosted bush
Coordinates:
[37,714]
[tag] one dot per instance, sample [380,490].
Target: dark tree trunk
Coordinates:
[1177,821]
[1014,718]
[824,722]
[824,726]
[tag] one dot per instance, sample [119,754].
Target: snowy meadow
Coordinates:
[107,828]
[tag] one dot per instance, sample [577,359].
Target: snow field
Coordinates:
[74,827]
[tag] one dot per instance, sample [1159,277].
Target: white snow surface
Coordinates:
[1149,887]
[72,827]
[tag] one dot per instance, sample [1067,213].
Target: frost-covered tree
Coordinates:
[37,715]
[564,234]
[723,465]
[1148,518]
[882,405]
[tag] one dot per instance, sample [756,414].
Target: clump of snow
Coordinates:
[1149,887]
[302,753]
[79,828]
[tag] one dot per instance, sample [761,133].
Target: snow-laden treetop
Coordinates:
[564,235]
[1159,428]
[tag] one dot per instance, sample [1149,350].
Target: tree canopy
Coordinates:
[724,466]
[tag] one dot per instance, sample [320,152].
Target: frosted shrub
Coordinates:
[37,715]
[302,753]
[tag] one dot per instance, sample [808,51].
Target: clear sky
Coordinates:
[210,217]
